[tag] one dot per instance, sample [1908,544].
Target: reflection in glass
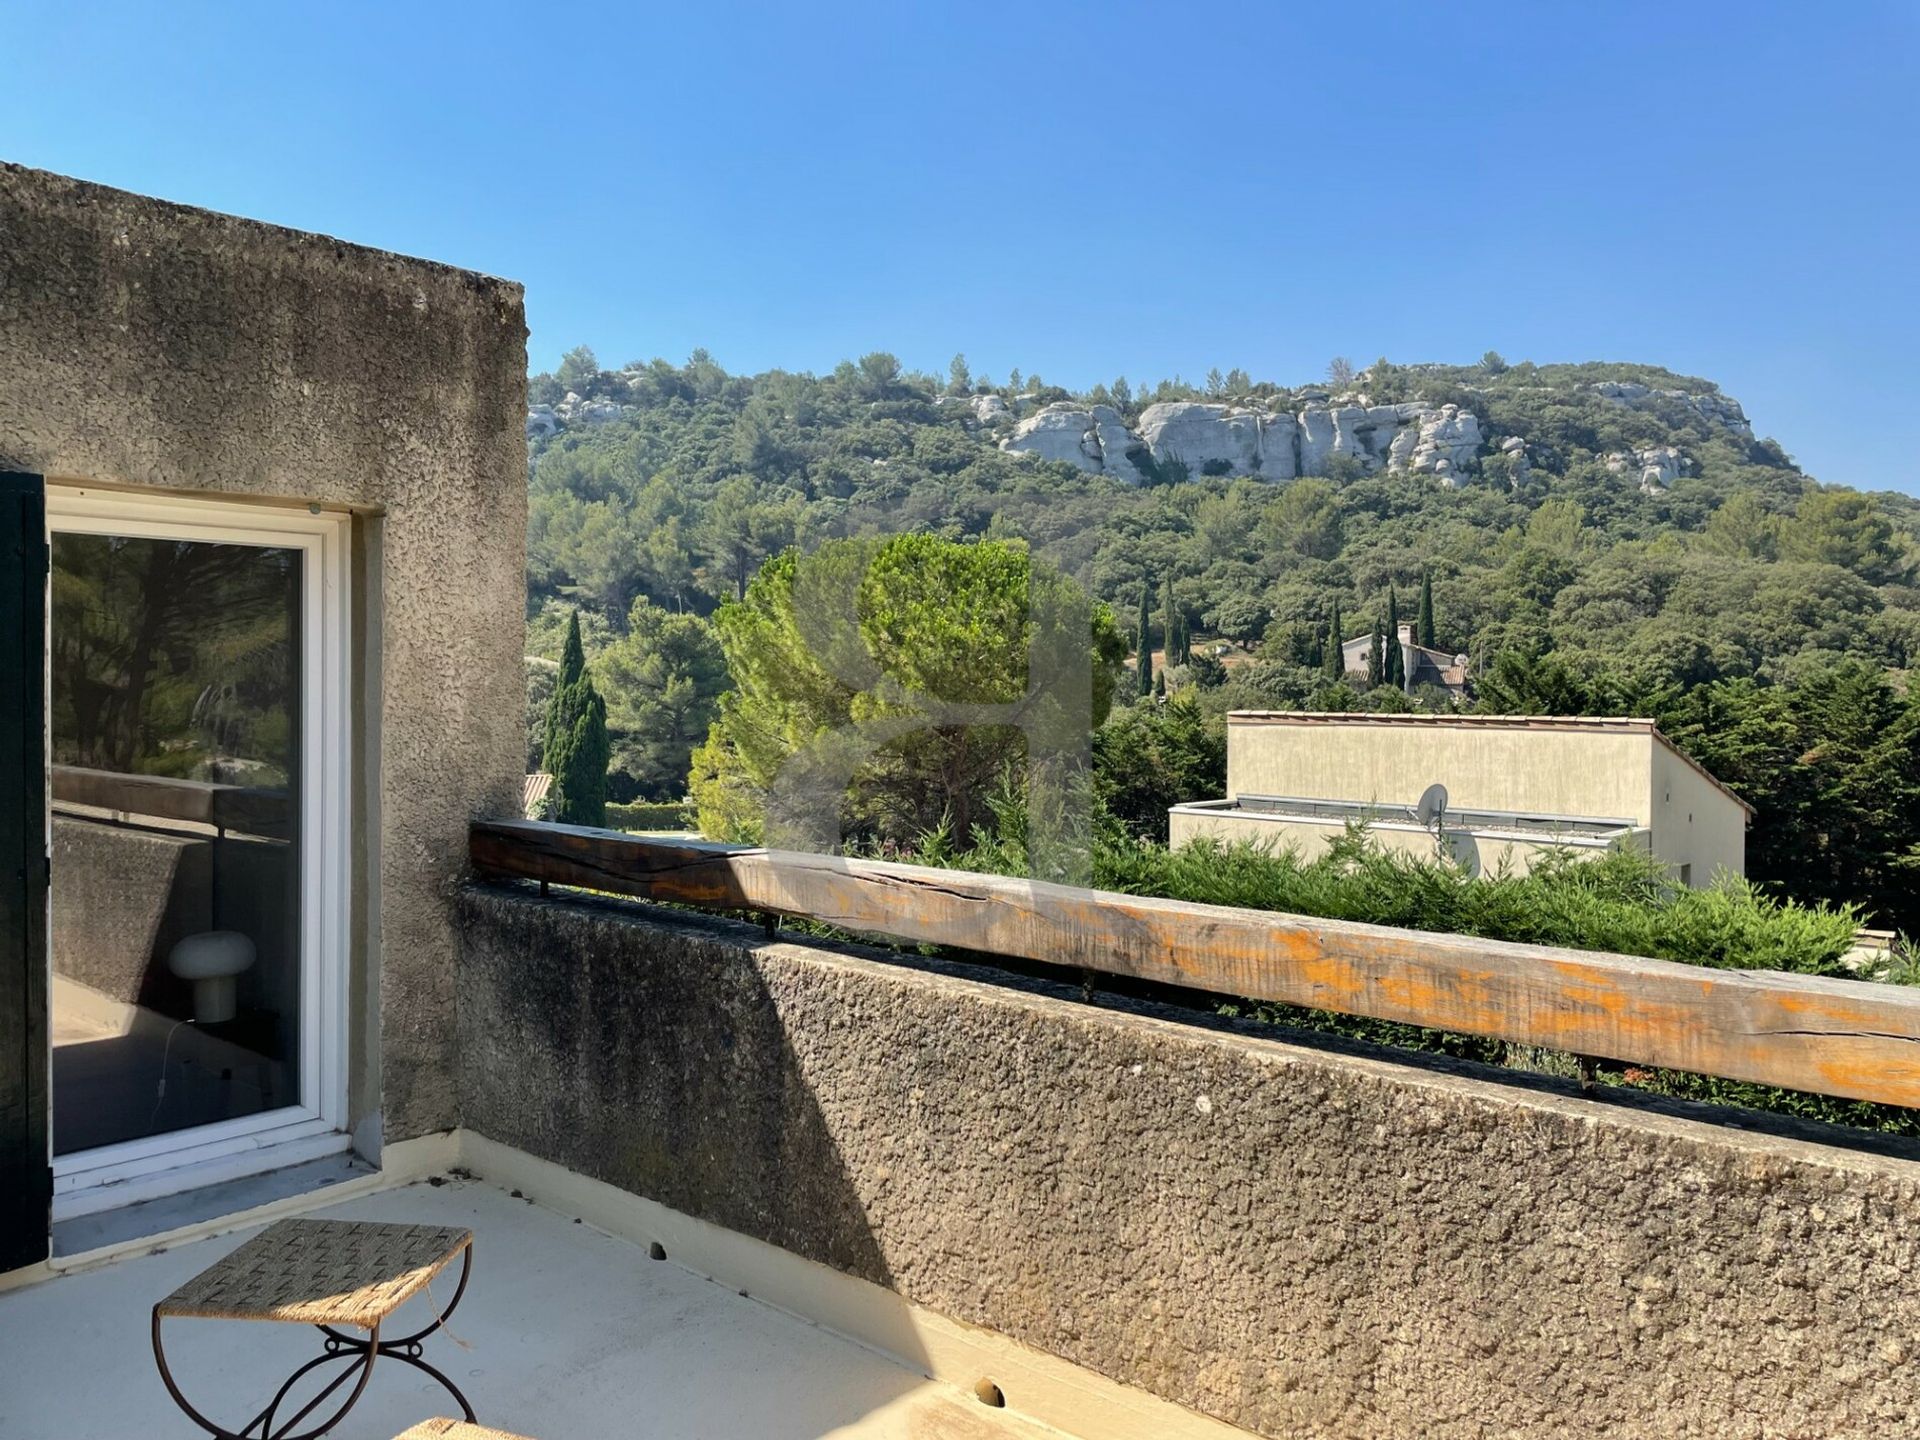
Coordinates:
[175,704]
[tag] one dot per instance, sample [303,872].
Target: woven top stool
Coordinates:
[454,1430]
[328,1274]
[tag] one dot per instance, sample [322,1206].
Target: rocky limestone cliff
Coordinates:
[1205,438]
[1276,435]
[1714,409]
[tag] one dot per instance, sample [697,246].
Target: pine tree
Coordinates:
[1376,656]
[1334,661]
[1423,630]
[577,750]
[1143,643]
[1396,655]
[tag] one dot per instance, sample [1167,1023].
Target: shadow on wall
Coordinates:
[668,1076]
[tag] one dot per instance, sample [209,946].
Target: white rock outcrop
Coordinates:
[1448,444]
[1208,438]
[575,410]
[1094,439]
[541,421]
[1219,439]
[1515,449]
[1716,409]
[1655,466]
[984,408]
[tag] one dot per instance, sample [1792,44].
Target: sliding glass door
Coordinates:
[196,723]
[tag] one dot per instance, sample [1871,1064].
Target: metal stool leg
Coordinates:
[359,1353]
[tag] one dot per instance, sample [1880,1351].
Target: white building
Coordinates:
[1516,787]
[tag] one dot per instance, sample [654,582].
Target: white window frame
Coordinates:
[88,1181]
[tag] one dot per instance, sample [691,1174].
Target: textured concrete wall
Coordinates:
[125,898]
[147,344]
[1307,1243]
[1561,772]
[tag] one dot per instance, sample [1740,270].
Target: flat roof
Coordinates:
[1568,724]
[565,1331]
[1477,821]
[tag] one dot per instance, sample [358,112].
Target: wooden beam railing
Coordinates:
[1853,1039]
[245,809]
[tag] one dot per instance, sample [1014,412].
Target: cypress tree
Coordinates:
[1169,624]
[1376,656]
[577,750]
[1396,656]
[1334,662]
[1423,630]
[1143,644]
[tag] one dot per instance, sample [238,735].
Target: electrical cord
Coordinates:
[160,1093]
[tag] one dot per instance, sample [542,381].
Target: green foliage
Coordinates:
[1521,684]
[1830,761]
[1832,765]
[1206,671]
[577,750]
[1423,630]
[1173,629]
[1621,902]
[1745,569]
[1148,757]
[844,640]
[664,679]
[1335,663]
[173,659]
[651,815]
[1847,529]
[1143,646]
[1396,669]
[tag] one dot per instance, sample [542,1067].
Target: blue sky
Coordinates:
[1078,190]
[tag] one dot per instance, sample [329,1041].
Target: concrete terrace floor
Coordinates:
[564,1333]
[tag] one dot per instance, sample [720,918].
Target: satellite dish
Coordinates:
[1432,809]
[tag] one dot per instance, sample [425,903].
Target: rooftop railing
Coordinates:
[1853,1039]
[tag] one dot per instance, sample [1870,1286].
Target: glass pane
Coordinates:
[176,866]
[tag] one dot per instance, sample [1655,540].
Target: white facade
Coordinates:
[1517,786]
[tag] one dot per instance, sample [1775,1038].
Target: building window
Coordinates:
[197,716]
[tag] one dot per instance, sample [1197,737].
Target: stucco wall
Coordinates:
[1596,774]
[1304,1242]
[148,344]
[1697,825]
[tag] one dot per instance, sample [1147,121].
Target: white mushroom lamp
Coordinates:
[213,960]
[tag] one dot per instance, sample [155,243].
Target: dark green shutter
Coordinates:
[26,1176]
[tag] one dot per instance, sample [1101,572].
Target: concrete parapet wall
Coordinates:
[1299,1241]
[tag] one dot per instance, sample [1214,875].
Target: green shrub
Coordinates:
[651,815]
[1622,902]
